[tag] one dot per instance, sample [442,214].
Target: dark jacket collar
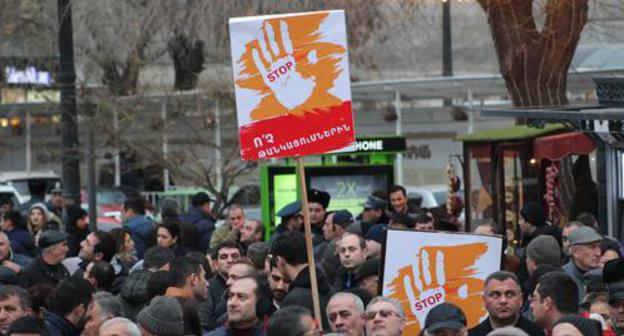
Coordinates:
[60,326]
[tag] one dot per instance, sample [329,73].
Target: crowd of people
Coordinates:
[183,275]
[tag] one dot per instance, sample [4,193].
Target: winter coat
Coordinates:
[222,234]
[140,228]
[343,280]
[133,294]
[22,242]
[203,222]
[59,325]
[258,330]
[217,287]
[300,292]
[39,272]
[7,275]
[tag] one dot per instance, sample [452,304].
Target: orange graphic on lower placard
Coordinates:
[440,274]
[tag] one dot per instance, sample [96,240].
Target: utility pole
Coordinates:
[447,41]
[70,154]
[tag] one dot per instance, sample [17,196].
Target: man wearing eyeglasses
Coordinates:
[345,312]
[502,297]
[384,317]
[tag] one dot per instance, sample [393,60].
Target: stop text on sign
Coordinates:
[428,302]
[281,70]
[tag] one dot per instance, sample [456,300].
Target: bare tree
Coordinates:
[534,62]
[118,38]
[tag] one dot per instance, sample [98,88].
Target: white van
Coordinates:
[20,179]
[9,192]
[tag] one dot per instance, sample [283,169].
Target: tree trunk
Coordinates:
[120,81]
[535,63]
[188,60]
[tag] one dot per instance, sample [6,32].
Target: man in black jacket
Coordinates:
[48,267]
[68,309]
[224,256]
[200,216]
[502,297]
[289,255]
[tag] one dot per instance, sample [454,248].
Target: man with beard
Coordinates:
[68,309]
[278,286]
[97,246]
[188,284]
[502,297]
[244,317]
[48,267]
[252,232]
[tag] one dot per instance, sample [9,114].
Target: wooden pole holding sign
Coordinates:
[292,101]
[308,239]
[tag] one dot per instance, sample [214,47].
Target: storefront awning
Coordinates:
[555,147]
[514,133]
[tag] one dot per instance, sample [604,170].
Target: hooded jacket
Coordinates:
[203,222]
[300,292]
[22,241]
[140,228]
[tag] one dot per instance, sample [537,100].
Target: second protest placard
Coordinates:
[422,269]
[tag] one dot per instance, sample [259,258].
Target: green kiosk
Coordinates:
[348,177]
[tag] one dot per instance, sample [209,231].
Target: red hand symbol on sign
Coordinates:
[282,77]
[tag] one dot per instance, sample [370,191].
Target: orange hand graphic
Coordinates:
[440,274]
[291,67]
[282,77]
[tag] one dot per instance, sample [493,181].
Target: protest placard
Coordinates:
[422,269]
[291,76]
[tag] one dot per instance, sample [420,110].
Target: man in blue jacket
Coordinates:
[199,216]
[14,225]
[137,223]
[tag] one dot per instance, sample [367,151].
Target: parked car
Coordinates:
[21,179]
[109,201]
[428,196]
[7,191]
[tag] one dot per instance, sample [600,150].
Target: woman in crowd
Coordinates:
[609,250]
[168,235]
[77,229]
[126,253]
[39,220]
